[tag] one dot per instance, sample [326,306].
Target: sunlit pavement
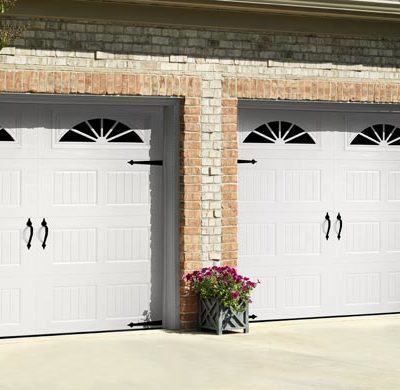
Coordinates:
[341,353]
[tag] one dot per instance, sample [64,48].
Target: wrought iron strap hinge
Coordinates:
[247,161]
[148,323]
[160,162]
[150,162]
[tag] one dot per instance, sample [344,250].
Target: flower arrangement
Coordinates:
[223,283]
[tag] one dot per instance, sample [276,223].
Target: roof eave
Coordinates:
[357,7]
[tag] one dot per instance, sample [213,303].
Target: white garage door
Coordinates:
[315,163]
[95,260]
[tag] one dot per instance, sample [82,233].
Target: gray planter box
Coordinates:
[213,316]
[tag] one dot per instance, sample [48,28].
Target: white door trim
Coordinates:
[170,183]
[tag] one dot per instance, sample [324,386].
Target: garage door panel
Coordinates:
[16,259]
[99,244]
[368,238]
[101,265]
[362,188]
[258,240]
[17,305]
[108,302]
[277,128]
[363,185]
[84,303]
[17,184]
[127,302]
[301,185]
[10,194]
[362,237]
[372,289]
[292,291]
[17,275]
[363,288]
[102,127]
[15,143]
[273,152]
[392,235]
[98,189]
[280,239]
[358,186]
[282,232]
[393,291]
[74,246]
[301,238]
[285,188]
[127,187]
[378,128]
[393,185]
[128,244]
[13,247]
[306,291]
[257,186]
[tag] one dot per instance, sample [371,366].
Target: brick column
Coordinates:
[229,182]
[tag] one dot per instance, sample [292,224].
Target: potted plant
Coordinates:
[224,298]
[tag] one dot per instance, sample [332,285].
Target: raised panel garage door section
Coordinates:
[319,213]
[95,257]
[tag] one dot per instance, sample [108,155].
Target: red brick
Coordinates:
[18,82]
[65,82]
[3,81]
[88,83]
[73,82]
[10,83]
[81,83]
[125,84]
[110,89]
[118,80]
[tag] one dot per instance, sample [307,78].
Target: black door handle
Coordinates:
[30,226]
[339,218]
[327,218]
[46,233]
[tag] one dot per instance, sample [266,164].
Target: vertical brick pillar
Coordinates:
[190,198]
[229,182]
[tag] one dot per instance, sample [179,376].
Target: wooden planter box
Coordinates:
[213,316]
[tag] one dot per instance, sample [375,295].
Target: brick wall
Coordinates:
[209,70]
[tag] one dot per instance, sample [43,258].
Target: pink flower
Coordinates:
[234,295]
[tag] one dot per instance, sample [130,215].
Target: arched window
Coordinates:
[101,130]
[381,134]
[5,136]
[279,132]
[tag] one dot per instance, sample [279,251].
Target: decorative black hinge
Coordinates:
[247,161]
[148,323]
[151,162]
[253,317]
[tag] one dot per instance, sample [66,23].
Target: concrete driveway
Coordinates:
[341,353]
